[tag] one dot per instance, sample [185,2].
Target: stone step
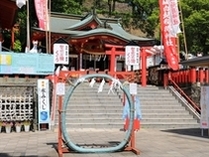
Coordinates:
[95,125]
[93,111]
[158,125]
[120,110]
[115,97]
[89,109]
[167,103]
[168,111]
[95,115]
[165,115]
[115,106]
[119,119]
[165,120]
[168,125]
[119,115]
[94,120]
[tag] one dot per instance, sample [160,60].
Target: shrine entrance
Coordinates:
[93,62]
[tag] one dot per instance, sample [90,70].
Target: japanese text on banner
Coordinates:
[61,53]
[132,55]
[43,101]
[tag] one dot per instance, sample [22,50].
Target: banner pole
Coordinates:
[28,28]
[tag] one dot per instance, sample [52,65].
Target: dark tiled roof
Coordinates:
[66,24]
[199,61]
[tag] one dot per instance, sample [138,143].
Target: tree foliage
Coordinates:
[137,14]
[67,6]
[196,23]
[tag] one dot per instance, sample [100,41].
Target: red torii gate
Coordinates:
[143,55]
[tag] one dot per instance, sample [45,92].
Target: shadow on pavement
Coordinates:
[7,155]
[195,132]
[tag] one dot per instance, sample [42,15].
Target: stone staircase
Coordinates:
[160,109]
[90,109]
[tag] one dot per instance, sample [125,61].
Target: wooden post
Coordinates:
[206,75]
[201,75]
[144,67]
[112,61]
[132,142]
[60,129]
[165,80]
[193,75]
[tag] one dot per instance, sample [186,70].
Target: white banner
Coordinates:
[204,103]
[132,55]
[43,101]
[175,20]
[61,53]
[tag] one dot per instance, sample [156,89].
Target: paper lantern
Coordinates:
[20,3]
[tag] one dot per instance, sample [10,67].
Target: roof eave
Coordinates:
[199,61]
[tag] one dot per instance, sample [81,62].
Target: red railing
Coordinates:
[76,74]
[192,75]
[181,92]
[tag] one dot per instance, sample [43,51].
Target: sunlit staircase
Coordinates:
[160,109]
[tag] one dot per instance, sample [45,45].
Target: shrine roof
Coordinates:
[120,33]
[68,24]
[88,19]
[198,61]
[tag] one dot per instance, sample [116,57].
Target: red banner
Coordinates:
[169,20]
[41,7]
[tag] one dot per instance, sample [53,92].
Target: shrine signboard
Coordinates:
[61,52]
[204,103]
[43,101]
[132,55]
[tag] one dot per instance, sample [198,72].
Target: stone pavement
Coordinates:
[151,143]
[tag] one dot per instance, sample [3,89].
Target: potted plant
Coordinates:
[18,126]
[1,125]
[8,126]
[26,125]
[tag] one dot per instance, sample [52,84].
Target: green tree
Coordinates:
[196,23]
[142,14]
[67,6]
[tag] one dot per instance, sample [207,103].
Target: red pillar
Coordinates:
[193,75]
[177,76]
[165,80]
[187,76]
[144,67]
[112,61]
[201,75]
[180,76]
[206,75]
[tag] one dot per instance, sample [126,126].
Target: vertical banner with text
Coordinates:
[61,53]
[132,56]
[41,7]
[169,21]
[43,101]
[204,103]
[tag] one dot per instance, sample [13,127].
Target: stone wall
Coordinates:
[193,91]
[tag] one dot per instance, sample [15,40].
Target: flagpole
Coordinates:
[28,28]
[47,27]
[49,22]
[183,28]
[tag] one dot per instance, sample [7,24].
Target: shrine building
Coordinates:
[93,41]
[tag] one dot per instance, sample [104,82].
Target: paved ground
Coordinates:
[151,143]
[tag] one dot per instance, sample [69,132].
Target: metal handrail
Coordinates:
[194,105]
